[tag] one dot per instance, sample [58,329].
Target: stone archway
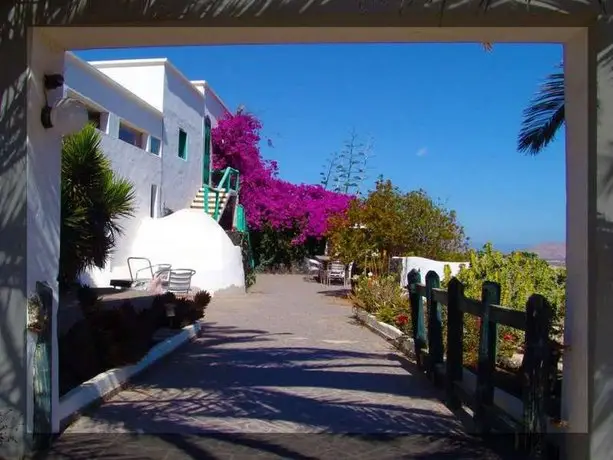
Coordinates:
[34,38]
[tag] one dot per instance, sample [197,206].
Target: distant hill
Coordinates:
[553,252]
[504,247]
[550,251]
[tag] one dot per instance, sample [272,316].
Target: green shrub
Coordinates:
[381,296]
[87,296]
[202,299]
[94,199]
[275,251]
[389,222]
[520,274]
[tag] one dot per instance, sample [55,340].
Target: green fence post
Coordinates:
[417,314]
[435,326]
[537,371]
[455,332]
[486,366]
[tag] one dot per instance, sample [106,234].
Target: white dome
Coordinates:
[190,238]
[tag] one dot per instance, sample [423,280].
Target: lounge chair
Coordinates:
[179,280]
[313,268]
[140,278]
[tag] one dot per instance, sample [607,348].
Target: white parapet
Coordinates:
[424,265]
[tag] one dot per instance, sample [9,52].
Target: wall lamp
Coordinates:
[67,115]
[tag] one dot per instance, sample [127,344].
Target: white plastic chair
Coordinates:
[336,271]
[313,268]
[179,280]
[140,278]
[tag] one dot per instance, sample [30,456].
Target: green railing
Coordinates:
[229,182]
[241,221]
[241,226]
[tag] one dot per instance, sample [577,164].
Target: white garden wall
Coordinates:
[424,265]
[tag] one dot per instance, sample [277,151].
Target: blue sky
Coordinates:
[443,117]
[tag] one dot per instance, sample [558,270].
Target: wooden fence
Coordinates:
[445,366]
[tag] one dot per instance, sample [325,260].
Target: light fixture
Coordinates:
[67,116]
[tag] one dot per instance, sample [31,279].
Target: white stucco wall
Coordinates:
[141,167]
[424,265]
[153,96]
[192,239]
[144,77]
[42,245]
[183,109]
[214,107]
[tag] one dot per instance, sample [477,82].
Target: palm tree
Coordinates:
[544,116]
[93,200]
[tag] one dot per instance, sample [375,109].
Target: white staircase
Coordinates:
[200,202]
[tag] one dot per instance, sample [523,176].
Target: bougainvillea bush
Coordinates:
[269,201]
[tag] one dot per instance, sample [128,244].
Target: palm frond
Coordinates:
[94,201]
[544,117]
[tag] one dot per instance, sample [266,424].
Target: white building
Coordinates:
[153,123]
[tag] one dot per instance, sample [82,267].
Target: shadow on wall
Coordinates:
[13,274]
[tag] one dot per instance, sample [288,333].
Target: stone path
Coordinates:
[272,370]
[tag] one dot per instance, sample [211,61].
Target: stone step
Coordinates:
[210,200]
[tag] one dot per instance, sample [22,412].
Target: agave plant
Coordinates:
[94,199]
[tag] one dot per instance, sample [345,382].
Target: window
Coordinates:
[182,144]
[155,145]
[94,117]
[98,118]
[155,202]
[130,135]
[206,164]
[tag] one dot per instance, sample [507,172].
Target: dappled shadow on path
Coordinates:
[234,393]
[272,446]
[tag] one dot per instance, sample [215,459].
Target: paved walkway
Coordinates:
[270,370]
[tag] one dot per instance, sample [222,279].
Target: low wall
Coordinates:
[424,265]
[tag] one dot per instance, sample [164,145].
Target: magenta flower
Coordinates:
[267,199]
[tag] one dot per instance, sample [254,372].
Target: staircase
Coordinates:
[213,200]
[206,199]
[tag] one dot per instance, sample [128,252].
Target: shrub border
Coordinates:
[105,385]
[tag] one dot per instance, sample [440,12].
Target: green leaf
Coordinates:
[94,200]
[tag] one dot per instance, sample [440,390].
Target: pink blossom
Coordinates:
[267,199]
